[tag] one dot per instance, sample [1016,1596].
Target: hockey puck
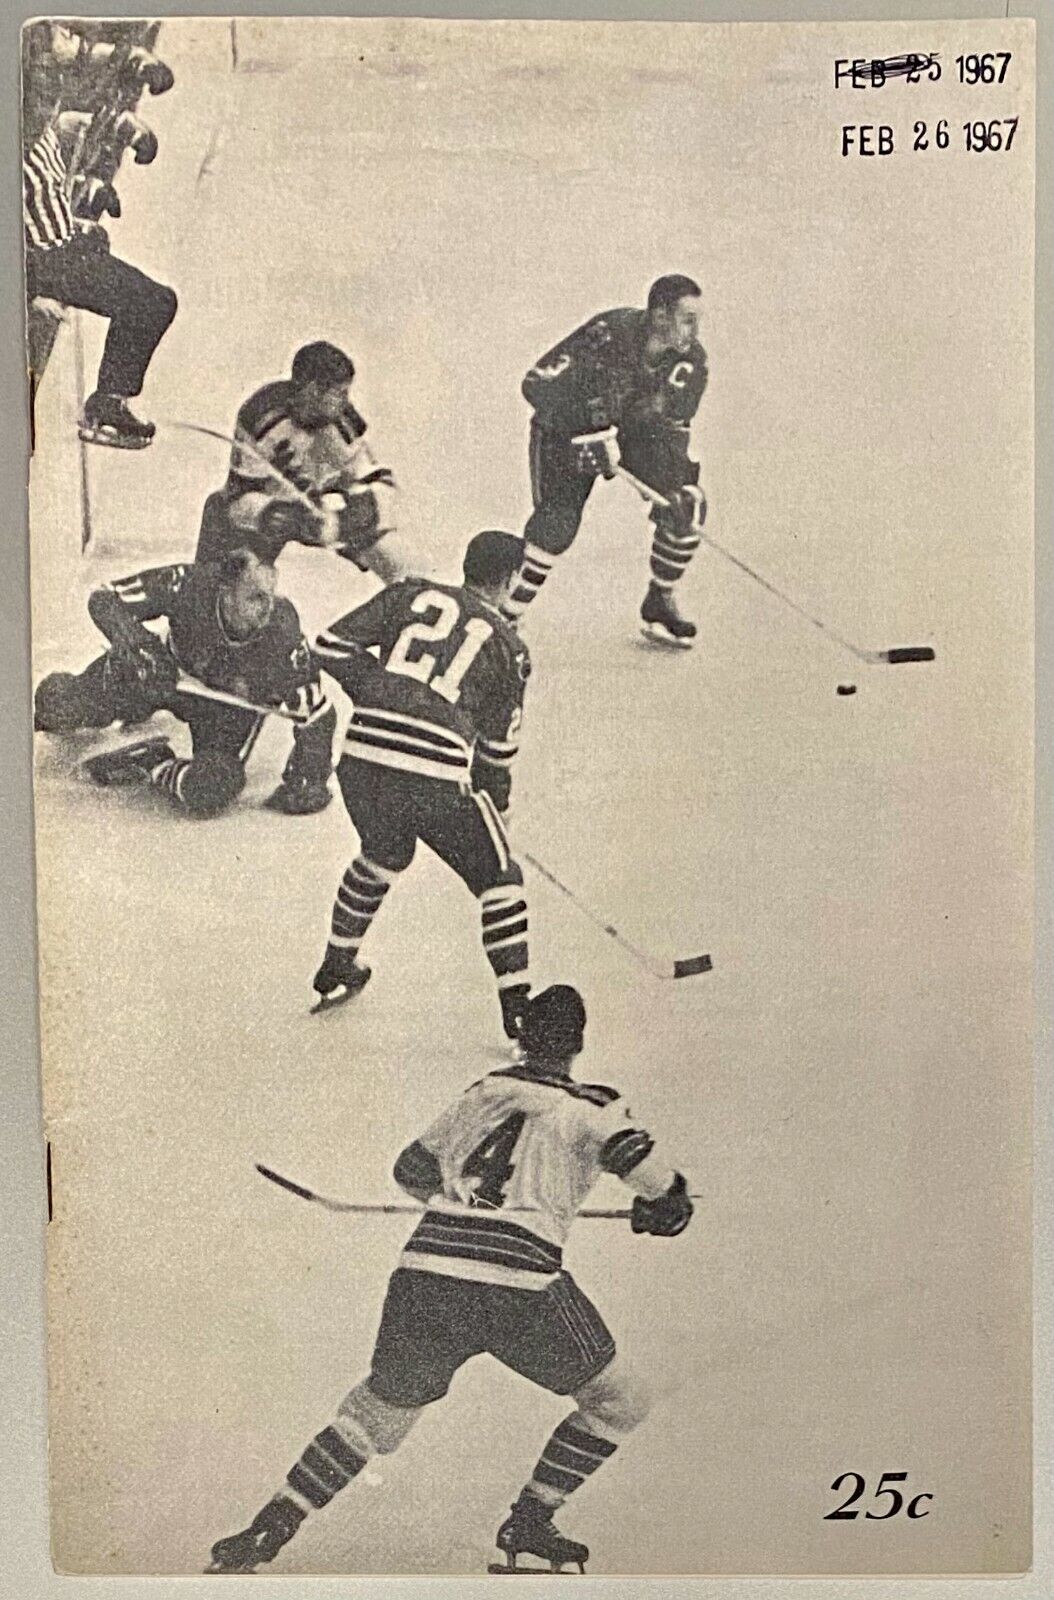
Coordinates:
[846,688]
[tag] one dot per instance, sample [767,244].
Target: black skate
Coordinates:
[530,1531]
[299,797]
[513,1005]
[273,1527]
[108,420]
[662,622]
[339,978]
[133,763]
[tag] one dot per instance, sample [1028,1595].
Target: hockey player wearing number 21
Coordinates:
[436,676]
[621,390]
[471,1281]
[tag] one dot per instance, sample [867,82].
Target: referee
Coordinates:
[69,260]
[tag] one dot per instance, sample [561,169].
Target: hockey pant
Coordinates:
[83,274]
[559,492]
[391,811]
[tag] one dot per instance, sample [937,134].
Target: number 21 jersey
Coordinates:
[434,672]
[531,1145]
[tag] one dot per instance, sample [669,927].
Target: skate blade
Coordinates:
[663,641]
[338,997]
[500,1571]
[113,441]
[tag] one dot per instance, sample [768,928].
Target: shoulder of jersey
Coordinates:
[598,1094]
[622,320]
[618,316]
[263,409]
[199,578]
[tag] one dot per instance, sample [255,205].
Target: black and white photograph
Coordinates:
[531,549]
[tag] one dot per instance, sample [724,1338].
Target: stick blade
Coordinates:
[910,652]
[691,966]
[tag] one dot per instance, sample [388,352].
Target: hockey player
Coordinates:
[527,1139]
[228,629]
[623,388]
[428,753]
[301,471]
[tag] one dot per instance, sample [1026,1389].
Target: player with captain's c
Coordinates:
[621,390]
[502,1173]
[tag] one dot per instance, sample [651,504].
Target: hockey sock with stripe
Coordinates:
[572,1454]
[534,569]
[169,774]
[671,554]
[359,898]
[504,919]
[328,1465]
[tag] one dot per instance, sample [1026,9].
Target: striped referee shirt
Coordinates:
[47,211]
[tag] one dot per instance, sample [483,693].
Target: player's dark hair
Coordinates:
[554,1023]
[492,557]
[323,364]
[665,292]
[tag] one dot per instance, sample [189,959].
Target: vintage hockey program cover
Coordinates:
[531,546]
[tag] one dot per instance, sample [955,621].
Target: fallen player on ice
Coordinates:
[231,633]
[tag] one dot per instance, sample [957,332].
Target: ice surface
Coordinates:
[835,1087]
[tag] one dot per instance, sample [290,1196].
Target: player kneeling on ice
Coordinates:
[229,631]
[471,1281]
[427,756]
[620,390]
[301,472]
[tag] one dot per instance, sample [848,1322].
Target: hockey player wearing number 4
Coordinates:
[621,390]
[472,1281]
[436,677]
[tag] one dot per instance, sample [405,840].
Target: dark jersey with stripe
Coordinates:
[272,666]
[601,375]
[533,1145]
[436,676]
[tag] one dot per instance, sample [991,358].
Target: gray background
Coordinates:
[24,1557]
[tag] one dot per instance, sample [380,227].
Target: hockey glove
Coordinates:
[670,1214]
[129,133]
[283,521]
[145,68]
[145,664]
[597,454]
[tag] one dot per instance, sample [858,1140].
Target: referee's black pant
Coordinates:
[83,274]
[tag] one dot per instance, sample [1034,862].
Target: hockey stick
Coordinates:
[396,1209]
[684,967]
[82,448]
[895,657]
[244,444]
[188,685]
[72,170]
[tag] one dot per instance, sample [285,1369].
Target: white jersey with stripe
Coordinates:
[519,1153]
[275,453]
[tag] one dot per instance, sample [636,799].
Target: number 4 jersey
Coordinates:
[437,678]
[532,1145]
